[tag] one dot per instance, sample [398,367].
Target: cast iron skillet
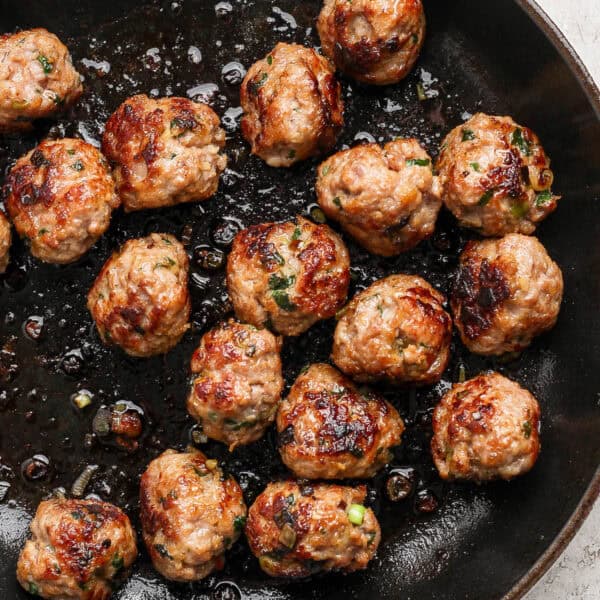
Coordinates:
[482,542]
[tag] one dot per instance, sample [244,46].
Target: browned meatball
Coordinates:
[386,198]
[507,291]
[293,105]
[5,239]
[238,382]
[297,531]
[140,299]
[288,275]
[328,429]
[191,514]
[60,197]
[496,176]
[396,330]
[373,41]
[37,78]
[164,151]
[485,428]
[79,549]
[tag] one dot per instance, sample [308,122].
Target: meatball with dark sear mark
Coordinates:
[79,549]
[299,530]
[37,78]
[5,239]
[238,382]
[287,276]
[485,428]
[507,291]
[395,331]
[373,41]
[329,429]
[293,107]
[60,197]
[496,176]
[386,198]
[164,151]
[140,299]
[191,514]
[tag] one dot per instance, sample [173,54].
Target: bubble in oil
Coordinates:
[233,73]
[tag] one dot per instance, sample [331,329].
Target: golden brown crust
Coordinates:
[5,239]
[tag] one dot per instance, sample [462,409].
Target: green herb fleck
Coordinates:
[419,162]
[467,135]
[415,38]
[270,60]
[296,235]
[46,64]
[421,95]
[71,151]
[239,522]
[527,429]
[475,166]
[520,142]
[117,562]
[281,283]
[43,231]
[485,198]
[167,263]
[278,258]
[292,154]
[337,202]
[543,198]
[356,514]
[33,589]
[167,241]
[162,551]
[325,170]
[77,165]
[77,515]
[519,209]
[283,300]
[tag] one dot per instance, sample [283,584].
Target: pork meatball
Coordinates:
[238,382]
[79,549]
[328,429]
[5,239]
[507,291]
[140,299]
[287,275]
[297,531]
[373,41]
[396,331]
[386,198]
[37,78]
[496,176]
[164,151]
[293,107]
[485,428]
[191,514]
[60,197]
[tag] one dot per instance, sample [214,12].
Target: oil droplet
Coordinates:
[233,73]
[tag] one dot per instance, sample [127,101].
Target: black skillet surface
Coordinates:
[478,56]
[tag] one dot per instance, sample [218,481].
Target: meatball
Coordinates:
[293,106]
[191,514]
[507,291]
[60,197]
[37,78]
[79,549]
[496,176]
[485,428]
[288,275]
[238,382]
[140,299]
[396,331]
[373,41]
[386,198]
[5,239]
[164,151]
[328,429]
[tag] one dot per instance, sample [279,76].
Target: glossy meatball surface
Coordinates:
[60,197]
[507,291]
[329,429]
[191,514]
[386,198]
[165,151]
[78,549]
[485,428]
[396,331]
[373,41]
[496,176]
[5,239]
[287,276]
[140,299]
[293,107]
[297,531]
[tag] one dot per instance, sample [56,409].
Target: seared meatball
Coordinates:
[293,105]
[373,41]
[238,382]
[396,331]
[386,198]
[140,299]
[496,176]
[191,514]
[485,428]
[287,275]
[328,429]
[164,151]
[5,239]
[60,197]
[507,291]
[37,78]
[79,549]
